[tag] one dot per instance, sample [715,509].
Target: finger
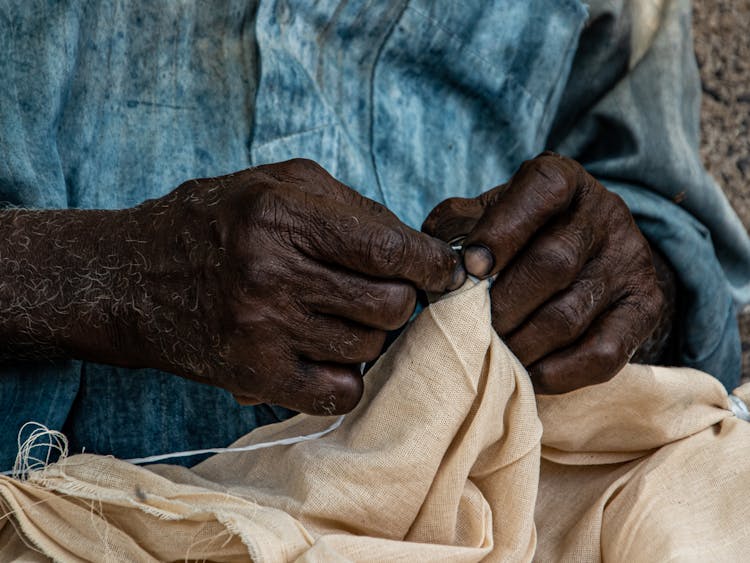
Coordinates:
[310,177]
[605,348]
[453,218]
[550,264]
[369,244]
[541,189]
[332,339]
[562,320]
[323,389]
[380,304]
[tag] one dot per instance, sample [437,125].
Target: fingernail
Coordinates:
[478,260]
[459,277]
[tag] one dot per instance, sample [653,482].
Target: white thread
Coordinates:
[282,442]
[25,463]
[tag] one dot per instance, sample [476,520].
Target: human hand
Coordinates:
[274,283]
[576,292]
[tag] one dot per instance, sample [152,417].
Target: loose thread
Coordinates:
[56,441]
[262,445]
[25,462]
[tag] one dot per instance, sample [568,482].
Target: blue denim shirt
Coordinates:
[104,104]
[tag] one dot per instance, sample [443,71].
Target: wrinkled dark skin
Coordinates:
[274,283]
[576,291]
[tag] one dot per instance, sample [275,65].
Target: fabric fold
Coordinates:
[449,456]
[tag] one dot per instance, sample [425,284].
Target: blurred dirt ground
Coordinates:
[722,47]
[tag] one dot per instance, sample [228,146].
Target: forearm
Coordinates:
[130,287]
[63,277]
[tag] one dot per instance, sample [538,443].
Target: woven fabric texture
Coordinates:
[449,456]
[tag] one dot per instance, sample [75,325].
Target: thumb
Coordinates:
[541,189]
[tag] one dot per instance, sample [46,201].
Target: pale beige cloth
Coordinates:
[444,459]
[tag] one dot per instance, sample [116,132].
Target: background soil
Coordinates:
[722,47]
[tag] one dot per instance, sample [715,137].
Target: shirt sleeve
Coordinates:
[630,113]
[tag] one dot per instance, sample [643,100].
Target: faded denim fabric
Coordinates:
[105,104]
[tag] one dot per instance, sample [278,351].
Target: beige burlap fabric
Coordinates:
[444,459]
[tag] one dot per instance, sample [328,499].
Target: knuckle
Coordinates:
[298,171]
[351,341]
[304,165]
[353,344]
[554,172]
[268,209]
[491,197]
[544,382]
[591,292]
[618,214]
[559,255]
[641,288]
[610,354]
[390,246]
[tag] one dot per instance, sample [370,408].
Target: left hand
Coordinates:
[576,292]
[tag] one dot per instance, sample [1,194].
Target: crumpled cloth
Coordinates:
[106,104]
[448,457]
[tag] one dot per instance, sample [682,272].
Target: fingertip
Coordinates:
[348,387]
[478,260]
[441,270]
[459,277]
[333,389]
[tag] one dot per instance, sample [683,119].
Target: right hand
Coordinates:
[274,283]
[576,292]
